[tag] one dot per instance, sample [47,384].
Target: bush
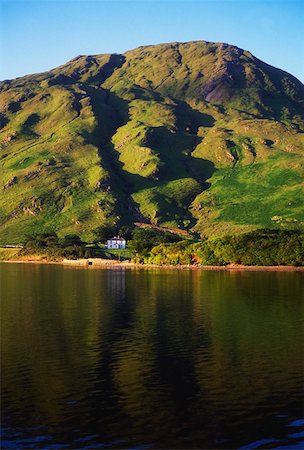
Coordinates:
[44,240]
[48,244]
[71,240]
[261,247]
[144,239]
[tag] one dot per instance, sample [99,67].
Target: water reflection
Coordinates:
[116,283]
[163,359]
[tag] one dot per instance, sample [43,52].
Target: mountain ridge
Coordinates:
[166,134]
[143,47]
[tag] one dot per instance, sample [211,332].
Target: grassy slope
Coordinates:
[55,175]
[113,138]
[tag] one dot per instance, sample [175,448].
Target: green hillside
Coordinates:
[197,135]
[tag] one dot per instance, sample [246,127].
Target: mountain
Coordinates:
[196,135]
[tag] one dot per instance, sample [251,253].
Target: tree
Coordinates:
[42,240]
[125,232]
[71,240]
[143,239]
[104,232]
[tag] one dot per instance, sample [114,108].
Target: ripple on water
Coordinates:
[97,359]
[285,440]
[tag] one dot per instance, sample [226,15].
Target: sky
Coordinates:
[39,35]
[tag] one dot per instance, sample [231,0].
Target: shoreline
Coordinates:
[96,263]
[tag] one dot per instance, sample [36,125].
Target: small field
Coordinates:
[121,254]
[8,253]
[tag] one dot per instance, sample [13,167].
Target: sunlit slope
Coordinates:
[194,135]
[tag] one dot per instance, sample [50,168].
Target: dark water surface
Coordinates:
[139,359]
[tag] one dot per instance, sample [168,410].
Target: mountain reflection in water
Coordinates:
[151,358]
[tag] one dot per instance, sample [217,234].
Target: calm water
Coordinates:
[151,358]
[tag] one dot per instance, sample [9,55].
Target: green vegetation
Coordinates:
[51,247]
[258,248]
[144,239]
[8,253]
[155,135]
[151,246]
[103,232]
[116,254]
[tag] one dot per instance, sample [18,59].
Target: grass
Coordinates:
[8,253]
[123,254]
[253,196]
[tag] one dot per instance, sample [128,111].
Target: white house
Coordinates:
[116,242]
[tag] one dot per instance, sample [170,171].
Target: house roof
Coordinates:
[116,238]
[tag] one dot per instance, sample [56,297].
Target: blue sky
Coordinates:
[39,35]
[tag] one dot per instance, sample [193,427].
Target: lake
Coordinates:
[150,358]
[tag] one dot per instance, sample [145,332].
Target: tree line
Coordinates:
[257,248]
[152,246]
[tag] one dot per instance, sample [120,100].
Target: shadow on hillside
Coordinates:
[173,147]
[111,113]
[167,207]
[175,166]
[175,152]
[103,72]
[190,119]
[115,62]
[146,94]
[30,122]
[3,120]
